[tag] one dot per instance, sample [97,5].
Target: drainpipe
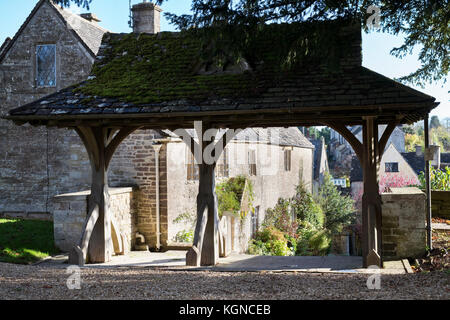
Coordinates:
[157,148]
[427,178]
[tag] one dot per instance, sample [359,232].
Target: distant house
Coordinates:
[394,169]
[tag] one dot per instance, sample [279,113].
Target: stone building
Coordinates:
[55,49]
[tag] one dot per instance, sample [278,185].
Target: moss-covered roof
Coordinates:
[169,73]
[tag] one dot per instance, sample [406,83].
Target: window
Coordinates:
[222,166]
[252,162]
[391,167]
[287,160]
[192,167]
[46,65]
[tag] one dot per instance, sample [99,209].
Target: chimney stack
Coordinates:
[419,152]
[90,17]
[436,151]
[146,17]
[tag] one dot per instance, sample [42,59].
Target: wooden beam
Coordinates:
[349,136]
[386,135]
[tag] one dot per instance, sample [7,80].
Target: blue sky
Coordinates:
[114,15]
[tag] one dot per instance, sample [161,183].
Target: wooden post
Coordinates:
[428,182]
[371,211]
[205,249]
[96,244]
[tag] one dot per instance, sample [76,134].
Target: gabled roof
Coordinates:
[89,34]
[159,76]
[288,137]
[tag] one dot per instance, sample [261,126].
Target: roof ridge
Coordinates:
[57,10]
[77,16]
[22,27]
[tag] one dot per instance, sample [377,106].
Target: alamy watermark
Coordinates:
[374,281]
[373,22]
[74,280]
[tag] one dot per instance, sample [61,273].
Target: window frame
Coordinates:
[37,65]
[393,165]
[287,160]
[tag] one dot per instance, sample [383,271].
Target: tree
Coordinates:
[339,210]
[425,25]
[434,122]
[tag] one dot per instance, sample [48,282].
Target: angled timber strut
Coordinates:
[160,82]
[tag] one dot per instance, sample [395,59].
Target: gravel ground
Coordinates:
[49,283]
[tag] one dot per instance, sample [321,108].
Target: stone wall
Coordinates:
[70,215]
[134,165]
[38,163]
[440,203]
[404,223]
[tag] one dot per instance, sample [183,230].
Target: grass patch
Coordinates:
[26,241]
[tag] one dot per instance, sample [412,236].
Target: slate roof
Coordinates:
[416,162]
[151,75]
[88,33]
[318,145]
[290,137]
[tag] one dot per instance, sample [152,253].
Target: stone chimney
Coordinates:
[90,17]
[436,152]
[419,151]
[146,18]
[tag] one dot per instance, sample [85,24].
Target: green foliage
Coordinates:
[306,209]
[270,242]
[280,217]
[188,219]
[338,209]
[440,179]
[229,194]
[320,243]
[26,241]
[185,236]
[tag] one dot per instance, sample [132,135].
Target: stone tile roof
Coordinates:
[160,74]
[88,33]
[290,137]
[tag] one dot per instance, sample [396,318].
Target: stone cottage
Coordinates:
[55,49]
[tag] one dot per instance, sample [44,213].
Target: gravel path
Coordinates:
[37,282]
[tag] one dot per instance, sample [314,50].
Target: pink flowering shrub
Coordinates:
[396,181]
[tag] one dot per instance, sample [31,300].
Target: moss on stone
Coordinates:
[145,69]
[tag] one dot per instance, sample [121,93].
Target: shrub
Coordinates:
[306,209]
[281,218]
[185,236]
[339,210]
[320,243]
[440,179]
[269,234]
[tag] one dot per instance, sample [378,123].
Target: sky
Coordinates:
[114,15]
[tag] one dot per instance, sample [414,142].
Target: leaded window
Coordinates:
[46,65]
